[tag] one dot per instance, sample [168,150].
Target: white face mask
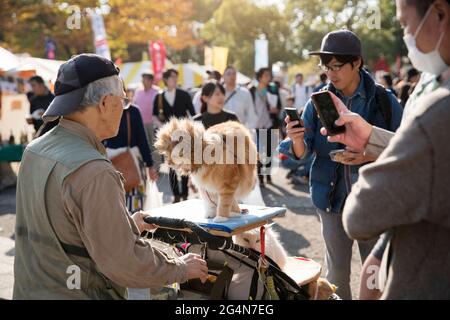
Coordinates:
[431,62]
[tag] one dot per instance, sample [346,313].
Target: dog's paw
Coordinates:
[220,219]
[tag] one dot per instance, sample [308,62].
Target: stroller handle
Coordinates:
[214,242]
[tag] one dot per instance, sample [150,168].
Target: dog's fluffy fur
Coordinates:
[220,184]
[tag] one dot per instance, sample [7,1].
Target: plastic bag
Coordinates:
[153,198]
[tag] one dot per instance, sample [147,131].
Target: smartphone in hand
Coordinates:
[338,155]
[294,116]
[328,114]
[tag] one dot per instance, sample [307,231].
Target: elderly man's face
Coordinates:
[112,113]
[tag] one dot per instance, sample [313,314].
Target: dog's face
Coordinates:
[176,142]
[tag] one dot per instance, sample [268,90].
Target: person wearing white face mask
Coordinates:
[431,62]
[406,190]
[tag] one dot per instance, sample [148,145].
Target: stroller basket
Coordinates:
[236,272]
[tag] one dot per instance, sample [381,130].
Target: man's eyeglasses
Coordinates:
[126,103]
[335,67]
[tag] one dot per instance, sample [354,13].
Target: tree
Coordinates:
[25,24]
[134,23]
[237,23]
[373,21]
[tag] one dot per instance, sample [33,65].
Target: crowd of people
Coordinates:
[388,193]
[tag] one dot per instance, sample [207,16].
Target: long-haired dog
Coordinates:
[221,161]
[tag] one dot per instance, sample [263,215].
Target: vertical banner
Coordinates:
[208,56]
[100,42]
[157,51]
[220,58]
[261,53]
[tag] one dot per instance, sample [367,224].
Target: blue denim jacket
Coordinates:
[330,182]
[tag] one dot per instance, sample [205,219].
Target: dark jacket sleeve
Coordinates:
[378,201]
[155,105]
[189,105]
[141,137]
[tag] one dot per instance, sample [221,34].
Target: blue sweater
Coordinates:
[138,135]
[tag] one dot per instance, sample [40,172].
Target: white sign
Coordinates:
[261,53]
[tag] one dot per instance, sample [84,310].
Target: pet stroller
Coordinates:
[235,272]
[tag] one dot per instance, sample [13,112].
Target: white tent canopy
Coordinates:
[190,74]
[7,60]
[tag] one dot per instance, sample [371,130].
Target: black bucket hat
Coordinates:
[71,83]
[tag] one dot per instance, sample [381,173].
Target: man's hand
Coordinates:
[196,267]
[152,173]
[295,134]
[138,218]
[357,130]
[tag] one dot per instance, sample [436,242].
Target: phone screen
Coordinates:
[327,112]
[294,116]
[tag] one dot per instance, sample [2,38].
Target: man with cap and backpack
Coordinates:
[75,238]
[331,182]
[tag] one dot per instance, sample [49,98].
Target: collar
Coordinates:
[84,133]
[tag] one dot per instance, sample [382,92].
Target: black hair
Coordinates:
[37,79]
[149,76]
[421,6]
[168,73]
[388,79]
[412,72]
[261,71]
[323,77]
[325,59]
[208,90]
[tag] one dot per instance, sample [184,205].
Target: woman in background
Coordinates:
[213,100]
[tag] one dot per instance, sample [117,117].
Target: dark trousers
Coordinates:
[175,187]
[264,146]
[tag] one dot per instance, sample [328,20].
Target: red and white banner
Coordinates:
[100,42]
[157,52]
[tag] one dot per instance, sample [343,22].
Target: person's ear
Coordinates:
[357,64]
[103,102]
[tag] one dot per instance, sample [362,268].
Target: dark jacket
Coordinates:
[181,106]
[40,102]
[138,135]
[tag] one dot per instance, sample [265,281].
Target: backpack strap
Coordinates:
[384,104]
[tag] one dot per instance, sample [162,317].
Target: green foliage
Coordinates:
[293,31]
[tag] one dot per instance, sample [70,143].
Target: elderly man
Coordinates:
[74,236]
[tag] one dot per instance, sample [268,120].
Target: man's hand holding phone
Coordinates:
[295,131]
[357,130]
